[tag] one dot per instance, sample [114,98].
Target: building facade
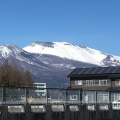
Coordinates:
[95,78]
[101,84]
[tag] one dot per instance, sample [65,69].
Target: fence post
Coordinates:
[2,95]
[46,96]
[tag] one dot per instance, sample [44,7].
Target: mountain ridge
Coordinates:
[51,62]
[70,51]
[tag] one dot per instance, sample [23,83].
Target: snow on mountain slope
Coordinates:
[4,51]
[51,62]
[68,51]
[11,52]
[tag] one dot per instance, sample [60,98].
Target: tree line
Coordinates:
[12,75]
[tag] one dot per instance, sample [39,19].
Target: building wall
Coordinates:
[113,82]
[95,85]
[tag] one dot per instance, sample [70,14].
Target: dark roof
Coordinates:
[95,71]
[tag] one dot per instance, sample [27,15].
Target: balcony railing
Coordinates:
[26,95]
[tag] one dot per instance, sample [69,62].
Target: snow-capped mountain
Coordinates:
[73,52]
[51,62]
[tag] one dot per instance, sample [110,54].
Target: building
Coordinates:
[95,78]
[41,89]
[101,84]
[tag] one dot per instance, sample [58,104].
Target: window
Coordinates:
[78,82]
[117,82]
[103,98]
[89,98]
[116,97]
[73,97]
[89,83]
[102,82]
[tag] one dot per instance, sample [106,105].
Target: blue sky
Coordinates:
[92,23]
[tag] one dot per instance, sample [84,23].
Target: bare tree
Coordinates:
[12,75]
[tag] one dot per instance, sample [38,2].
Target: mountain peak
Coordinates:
[10,45]
[49,44]
[62,43]
[66,50]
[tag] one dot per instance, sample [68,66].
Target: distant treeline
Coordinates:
[12,75]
